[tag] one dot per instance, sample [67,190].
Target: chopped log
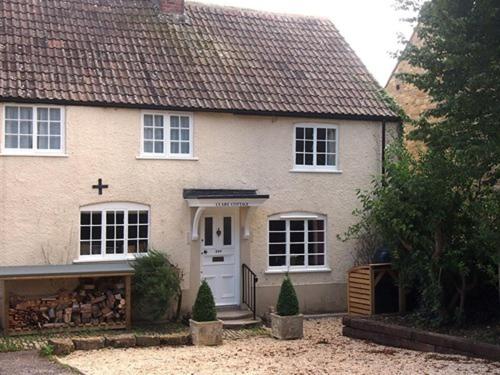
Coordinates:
[98,299]
[90,304]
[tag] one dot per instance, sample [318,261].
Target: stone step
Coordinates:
[236,314]
[241,323]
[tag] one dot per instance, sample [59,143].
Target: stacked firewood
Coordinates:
[89,304]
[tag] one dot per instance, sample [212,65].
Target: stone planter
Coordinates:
[206,333]
[287,327]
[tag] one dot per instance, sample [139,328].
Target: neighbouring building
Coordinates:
[221,136]
[412,100]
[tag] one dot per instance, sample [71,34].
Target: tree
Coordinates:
[443,242]
[460,62]
[459,59]
[439,212]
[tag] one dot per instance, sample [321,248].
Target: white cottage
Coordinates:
[233,140]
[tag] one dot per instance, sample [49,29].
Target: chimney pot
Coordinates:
[172,6]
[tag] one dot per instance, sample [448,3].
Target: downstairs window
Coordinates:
[114,230]
[297,242]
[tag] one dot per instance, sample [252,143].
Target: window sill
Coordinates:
[315,170]
[160,157]
[309,270]
[99,259]
[6,153]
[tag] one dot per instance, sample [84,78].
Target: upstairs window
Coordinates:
[315,147]
[167,135]
[33,130]
[297,241]
[113,230]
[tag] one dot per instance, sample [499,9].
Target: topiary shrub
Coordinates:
[204,306]
[288,304]
[157,283]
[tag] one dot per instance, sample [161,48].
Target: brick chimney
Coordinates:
[175,7]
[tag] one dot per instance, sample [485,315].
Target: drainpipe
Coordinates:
[383,146]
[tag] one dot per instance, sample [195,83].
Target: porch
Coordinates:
[221,220]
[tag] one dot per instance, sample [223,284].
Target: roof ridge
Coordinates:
[260,11]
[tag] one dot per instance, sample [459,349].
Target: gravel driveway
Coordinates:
[29,363]
[323,351]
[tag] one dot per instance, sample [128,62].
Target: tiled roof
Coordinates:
[122,53]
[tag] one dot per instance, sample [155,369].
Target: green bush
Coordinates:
[288,304]
[157,283]
[204,306]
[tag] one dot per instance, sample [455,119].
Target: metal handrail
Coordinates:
[249,279]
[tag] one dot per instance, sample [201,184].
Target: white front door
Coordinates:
[220,254]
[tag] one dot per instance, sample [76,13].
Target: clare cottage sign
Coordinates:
[231,204]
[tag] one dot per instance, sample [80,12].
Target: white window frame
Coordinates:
[112,206]
[287,268]
[314,167]
[34,151]
[166,154]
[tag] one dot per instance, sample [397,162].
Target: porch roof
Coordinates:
[65,270]
[222,198]
[223,194]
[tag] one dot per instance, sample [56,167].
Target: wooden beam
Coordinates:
[67,276]
[6,308]
[128,306]
[380,274]
[348,294]
[402,299]
[372,292]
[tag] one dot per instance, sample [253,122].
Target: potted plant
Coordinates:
[287,323]
[204,326]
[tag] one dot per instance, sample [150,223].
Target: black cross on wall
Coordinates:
[100,186]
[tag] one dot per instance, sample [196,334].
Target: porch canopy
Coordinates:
[201,199]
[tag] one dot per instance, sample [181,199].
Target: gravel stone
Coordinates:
[323,350]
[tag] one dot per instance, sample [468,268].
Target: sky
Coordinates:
[371,27]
